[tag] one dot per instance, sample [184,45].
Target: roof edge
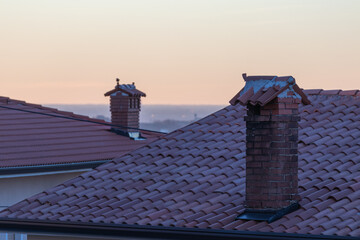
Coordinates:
[145,231]
[51,167]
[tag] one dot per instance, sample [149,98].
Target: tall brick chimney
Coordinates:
[125,107]
[271,145]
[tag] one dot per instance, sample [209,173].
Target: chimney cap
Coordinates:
[127,89]
[259,90]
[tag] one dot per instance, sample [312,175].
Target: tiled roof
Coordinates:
[195,177]
[30,139]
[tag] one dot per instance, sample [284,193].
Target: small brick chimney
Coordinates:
[271,143]
[125,106]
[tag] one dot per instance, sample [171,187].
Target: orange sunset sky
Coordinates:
[178,52]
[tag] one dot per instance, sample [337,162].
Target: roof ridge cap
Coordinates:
[333,92]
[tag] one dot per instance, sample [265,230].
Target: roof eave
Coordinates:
[144,231]
[50,168]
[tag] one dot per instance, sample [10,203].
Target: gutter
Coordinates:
[44,173]
[51,168]
[145,231]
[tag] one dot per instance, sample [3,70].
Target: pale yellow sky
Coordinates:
[178,52]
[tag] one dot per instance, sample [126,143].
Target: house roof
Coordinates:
[33,135]
[195,177]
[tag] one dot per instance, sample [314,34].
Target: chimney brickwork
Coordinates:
[271,155]
[125,111]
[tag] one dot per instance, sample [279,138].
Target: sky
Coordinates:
[177,51]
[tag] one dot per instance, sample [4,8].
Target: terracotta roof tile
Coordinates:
[195,177]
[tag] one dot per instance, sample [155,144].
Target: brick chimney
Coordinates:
[125,106]
[271,144]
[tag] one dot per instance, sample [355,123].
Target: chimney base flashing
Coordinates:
[267,215]
[135,135]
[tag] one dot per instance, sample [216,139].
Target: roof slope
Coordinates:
[31,139]
[195,177]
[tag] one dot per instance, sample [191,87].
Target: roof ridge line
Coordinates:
[332,92]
